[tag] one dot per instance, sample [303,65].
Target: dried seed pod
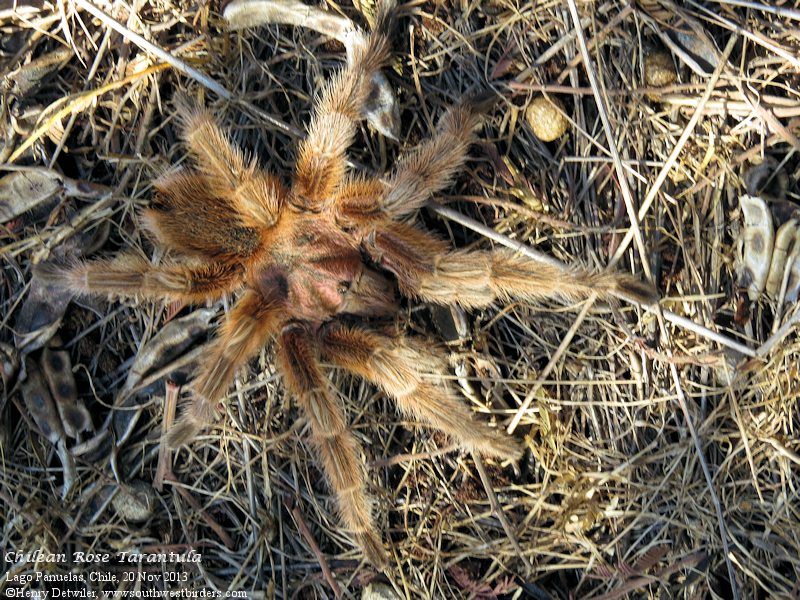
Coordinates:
[43,411]
[167,344]
[793,266]
[135,502]
[757,241]
[57,368]
[68,468]
[546,118]
[784,241]
[659,70]
[40,405]
[9,364]
[40,315]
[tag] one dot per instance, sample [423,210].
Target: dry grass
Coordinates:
[611,498]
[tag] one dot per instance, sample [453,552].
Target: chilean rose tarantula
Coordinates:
[311,261]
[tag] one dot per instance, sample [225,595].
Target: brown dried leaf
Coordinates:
[467,583]
[40,405]
[481,591]
[40,315]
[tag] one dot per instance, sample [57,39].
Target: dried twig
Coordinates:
[497,509]
[297,514]
[622,178]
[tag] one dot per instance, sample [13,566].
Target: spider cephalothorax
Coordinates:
[311,261]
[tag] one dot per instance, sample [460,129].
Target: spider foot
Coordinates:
[634,289]
[196,417]
[370,543]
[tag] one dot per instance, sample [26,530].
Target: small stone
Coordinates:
[659,70]
[546,117]
[379,591]
[135,502]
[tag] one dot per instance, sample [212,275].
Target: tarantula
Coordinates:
[313,261]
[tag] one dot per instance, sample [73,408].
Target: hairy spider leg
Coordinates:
[423,171]
[321,163]
[189,216]
[408,371]
[298,360]
[251,323]
[228,173]
[428,271]
[431,166]
[129,275]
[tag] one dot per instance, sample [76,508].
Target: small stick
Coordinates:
[297,515]
[562,347]
[498,511]
[164,468]
[195,505]
[602,110]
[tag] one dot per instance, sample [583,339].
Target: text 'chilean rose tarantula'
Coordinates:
[312,261]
